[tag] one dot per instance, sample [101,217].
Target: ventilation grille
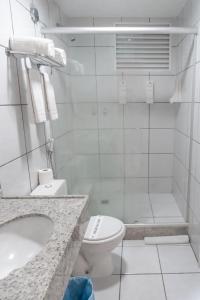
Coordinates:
[143,51]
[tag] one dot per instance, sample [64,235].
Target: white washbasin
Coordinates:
[21,239]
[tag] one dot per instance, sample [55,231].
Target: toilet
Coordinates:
[103,234]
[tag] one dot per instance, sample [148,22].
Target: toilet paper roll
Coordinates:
[45,176]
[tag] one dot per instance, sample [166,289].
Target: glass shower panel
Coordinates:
[123,151]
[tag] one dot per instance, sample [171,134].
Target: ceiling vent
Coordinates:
[143,51]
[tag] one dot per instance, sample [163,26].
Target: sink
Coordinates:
[21,239]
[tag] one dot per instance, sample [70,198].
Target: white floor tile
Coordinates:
[107,288]
[164,205]
[182,286]
[140,260]
[177,259]
[142,287]
[116,257]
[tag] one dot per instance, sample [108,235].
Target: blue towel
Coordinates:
[79,288]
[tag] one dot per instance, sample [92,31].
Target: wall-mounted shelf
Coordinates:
[37,59]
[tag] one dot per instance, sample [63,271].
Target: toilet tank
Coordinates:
[53,188]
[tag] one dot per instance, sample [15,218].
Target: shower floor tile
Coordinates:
[178,274]
[164,205]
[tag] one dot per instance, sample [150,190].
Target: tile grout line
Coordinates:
[161,272]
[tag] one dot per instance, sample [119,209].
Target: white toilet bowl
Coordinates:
[103,234]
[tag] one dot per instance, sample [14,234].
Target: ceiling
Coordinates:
[125,8]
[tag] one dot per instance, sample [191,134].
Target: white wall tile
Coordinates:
[110,115]
[111,141]
[14,178]
[86,141]
[82,60]
[181,148]
[183,112]
[64,151]
[161,165]
[9,88]
[62,86]
[5,23]
[105,61]
[188,51]
[162,115]
[187,79]
[12,133]
[105,39]
[83,88]
[136,86]
[136,115]
[22,23]
[112,165]
[85,116]
[164,87]
[64,121]
[160,185]
[137,207]
[80,40]
[136,165]
[107,88]
[87,166]
[136,186]
[136,140]
[161,140]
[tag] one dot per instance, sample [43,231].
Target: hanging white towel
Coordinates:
[50,97]
[33,45]
[60,56]
[37,95]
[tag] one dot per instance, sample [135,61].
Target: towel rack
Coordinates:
[37,59]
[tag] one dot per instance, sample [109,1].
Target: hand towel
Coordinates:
[60,56]
[50,97]
[37,95]
[33,45]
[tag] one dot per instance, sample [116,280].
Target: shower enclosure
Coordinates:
[131,156]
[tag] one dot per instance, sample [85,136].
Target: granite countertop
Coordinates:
[34,280]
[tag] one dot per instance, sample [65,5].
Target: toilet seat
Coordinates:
[101,228]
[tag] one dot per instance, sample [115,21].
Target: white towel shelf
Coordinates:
[36,59]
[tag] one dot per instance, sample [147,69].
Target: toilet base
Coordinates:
[101,266]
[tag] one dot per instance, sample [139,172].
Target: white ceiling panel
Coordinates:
[125,8]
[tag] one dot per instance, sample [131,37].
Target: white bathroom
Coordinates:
[100,150]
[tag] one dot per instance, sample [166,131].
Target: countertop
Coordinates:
[46,275]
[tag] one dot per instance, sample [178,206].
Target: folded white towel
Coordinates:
[33,45]
[50,97]
[60,56]
[37,95]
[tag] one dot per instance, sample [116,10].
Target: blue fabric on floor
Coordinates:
[79,288]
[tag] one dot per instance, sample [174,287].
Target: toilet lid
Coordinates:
[102,227]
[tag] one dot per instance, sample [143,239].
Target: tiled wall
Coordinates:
[22,142]
[125,150]
[187,132]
